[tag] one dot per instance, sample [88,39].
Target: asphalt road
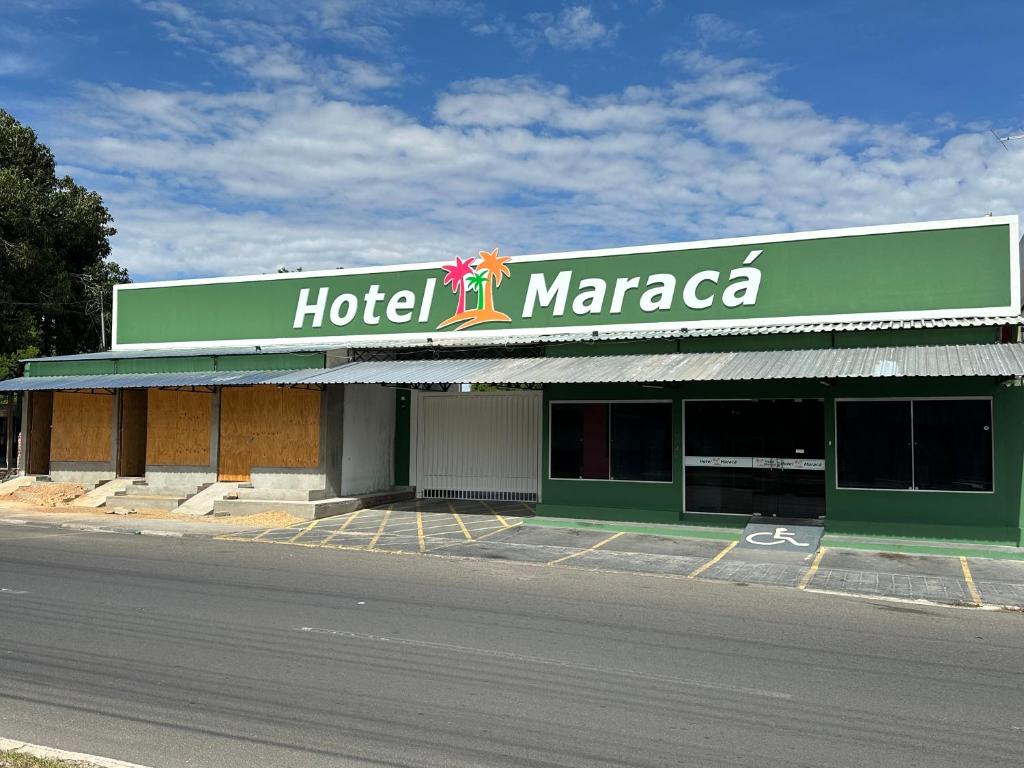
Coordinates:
[209,653]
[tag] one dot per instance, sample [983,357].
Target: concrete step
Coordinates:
[277,494]
[144,489]
[98,496]
[138,501]
[238,507]
[310,510]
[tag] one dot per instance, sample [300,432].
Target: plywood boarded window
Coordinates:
[82,427]
[178,428]
[268,427]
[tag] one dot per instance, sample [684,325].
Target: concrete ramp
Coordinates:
[203,502]
[97,497]
[9,486]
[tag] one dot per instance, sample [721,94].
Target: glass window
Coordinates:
[953,445]
[641,444]
[873,444]
[611,441]
[933,445]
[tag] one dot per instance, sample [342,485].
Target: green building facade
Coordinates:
[867,378]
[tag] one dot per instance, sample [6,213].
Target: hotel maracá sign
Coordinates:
[963,268]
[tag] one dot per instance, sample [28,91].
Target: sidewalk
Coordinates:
[99,521]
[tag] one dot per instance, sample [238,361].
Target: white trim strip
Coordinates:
[755,462]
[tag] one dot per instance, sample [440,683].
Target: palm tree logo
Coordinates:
[462,276]
[455,276]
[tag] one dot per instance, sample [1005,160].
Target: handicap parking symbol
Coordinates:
[782,538]
[778,536]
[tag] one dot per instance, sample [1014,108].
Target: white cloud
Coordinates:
[712,28]
[574,27]
[289,173]
[15,64]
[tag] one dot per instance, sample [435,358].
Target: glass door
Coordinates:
[763,457]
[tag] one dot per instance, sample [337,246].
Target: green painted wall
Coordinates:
[996,517]
[283,361]
[82,368]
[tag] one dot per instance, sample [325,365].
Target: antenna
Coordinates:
[1004,139]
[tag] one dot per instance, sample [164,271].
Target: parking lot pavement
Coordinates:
[420,525]
[500,530]
[999,582]
[914,577]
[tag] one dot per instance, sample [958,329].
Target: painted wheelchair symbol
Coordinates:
[778,536]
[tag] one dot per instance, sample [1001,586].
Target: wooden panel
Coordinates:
[40,418]
[131,448]
[82,427]
[268,427]
[178,428]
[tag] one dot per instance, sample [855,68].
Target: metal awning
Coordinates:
[1000,360]
[525,338]
[146,380]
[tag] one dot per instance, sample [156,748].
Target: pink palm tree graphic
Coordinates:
[455,276]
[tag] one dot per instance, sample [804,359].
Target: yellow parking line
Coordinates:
[377,535]
[975,595]
[588,549]
[419,532]
[699,570]
[304,530]
[494,512]
[498,530]
[813,569]
[462,525]
[344,525]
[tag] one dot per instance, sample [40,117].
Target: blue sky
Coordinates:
[236,136]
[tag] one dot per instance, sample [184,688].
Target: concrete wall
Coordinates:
[368,447]
[175,477]
[87,473]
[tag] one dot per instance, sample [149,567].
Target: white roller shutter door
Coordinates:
[478,445]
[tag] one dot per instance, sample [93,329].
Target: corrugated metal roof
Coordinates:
[144,380]
[515,339]
[873,362]
[688,333]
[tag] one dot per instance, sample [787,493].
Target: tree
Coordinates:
[56,279]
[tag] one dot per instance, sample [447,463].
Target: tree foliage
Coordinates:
[55,272]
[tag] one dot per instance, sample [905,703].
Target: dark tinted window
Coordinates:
[641,443]
[616,441]
[873,444]
[953,445]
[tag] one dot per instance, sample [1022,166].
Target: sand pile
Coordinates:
[45,494]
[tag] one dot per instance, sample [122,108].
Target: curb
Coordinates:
[130,531]
[10,745]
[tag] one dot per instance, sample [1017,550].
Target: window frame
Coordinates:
[650,401]
[913,457]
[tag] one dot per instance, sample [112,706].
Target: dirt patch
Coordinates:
[272,519]
[24,760]
[47,495]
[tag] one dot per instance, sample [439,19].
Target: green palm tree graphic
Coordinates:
[477,281]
